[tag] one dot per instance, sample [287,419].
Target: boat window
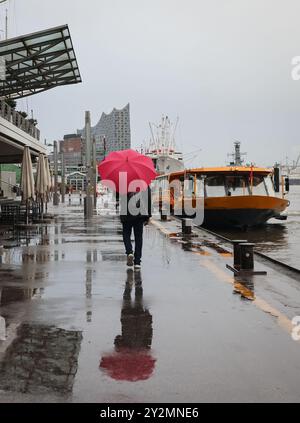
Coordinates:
[176,186]
[214,186]
[236,185]
[160,184]
[189,186]
[270,186]
[258,186]
[200,187]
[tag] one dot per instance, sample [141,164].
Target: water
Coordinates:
[277,239]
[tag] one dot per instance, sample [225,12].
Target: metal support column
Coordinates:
[95,171]
[63,182]
[88,205]
[55,194]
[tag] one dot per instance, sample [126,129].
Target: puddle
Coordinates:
[42,359]
[14,294]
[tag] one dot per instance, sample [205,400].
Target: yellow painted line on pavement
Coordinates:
[283,321]
[160,227]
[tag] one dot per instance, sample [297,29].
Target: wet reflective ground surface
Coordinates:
[280,240]
[82,327]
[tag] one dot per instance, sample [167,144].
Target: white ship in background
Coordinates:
[162,147]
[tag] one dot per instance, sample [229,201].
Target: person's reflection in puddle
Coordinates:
[132,360]
[135,319]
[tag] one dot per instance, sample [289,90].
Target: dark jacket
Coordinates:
[139,202]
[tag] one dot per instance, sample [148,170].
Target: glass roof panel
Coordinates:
[11,47]
[43,39]
[48,61]
[57,47]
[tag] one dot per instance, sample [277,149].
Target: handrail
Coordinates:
[18,120]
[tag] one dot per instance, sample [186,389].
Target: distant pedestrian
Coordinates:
[135,212]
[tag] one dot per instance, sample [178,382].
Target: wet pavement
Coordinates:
[81,327]
[280,240]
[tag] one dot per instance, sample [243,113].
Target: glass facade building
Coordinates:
[112,132]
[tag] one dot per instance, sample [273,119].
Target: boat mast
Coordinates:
[237,155]
[173,146]
[238,158]
[163,137]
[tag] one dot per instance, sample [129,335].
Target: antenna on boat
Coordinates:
[237,155]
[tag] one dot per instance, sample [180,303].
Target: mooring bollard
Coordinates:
[186,226]
[243,259]
[247,256]
[237,252]
[163,215]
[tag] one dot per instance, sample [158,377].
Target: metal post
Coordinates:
[244,259]
[55,194]
[247,256]
[95,171]
[287,183]
[276,178]
[63,182]
[282,186]
[160,199]
[69,197]
[237,252]
[88,201]
[187,226]
[163,215]
[80,197]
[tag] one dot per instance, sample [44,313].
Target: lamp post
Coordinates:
[95,171]
[88,201]
[63,184]
[55,194]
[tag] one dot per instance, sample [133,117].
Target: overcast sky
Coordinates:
[222,66]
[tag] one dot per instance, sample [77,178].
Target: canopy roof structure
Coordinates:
[38,62]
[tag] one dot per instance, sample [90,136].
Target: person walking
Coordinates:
[119,171]
[135,212]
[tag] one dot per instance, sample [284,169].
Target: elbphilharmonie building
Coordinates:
[112,132]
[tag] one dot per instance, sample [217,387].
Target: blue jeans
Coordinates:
[137,225]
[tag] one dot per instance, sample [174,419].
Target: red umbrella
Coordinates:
[120,168]
[129,365]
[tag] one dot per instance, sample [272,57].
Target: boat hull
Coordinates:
[240,211]
[240,218]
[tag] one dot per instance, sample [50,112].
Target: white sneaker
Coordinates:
[130,259]
[137,266]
